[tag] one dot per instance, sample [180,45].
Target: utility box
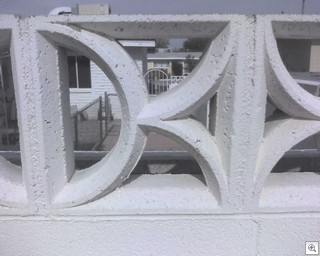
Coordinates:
[91,9]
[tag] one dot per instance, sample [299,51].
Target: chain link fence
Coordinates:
[92,123]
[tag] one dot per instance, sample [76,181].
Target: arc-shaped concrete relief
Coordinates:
[178,103]
[200,85]
[201,144]
[102,51]
[302,109]
[109,173]
[284,91]
[291,131]
[12,192]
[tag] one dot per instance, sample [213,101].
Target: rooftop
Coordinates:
[173,55]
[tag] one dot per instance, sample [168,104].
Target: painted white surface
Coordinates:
[151,236]
[159,235]
[239,209]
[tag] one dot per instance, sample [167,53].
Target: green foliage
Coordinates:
[162,43]
[195,44]
[191,63]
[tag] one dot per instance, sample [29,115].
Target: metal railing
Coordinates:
[158,81]
[90,124]
[9,135]
[174,80]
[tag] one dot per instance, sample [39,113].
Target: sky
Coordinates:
[43,7]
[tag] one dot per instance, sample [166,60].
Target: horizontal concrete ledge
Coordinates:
[184,195]
[145,194]
[153,194]
[168,194]
[292,191]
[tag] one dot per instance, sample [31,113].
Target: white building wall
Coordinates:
[315,56]
[140,56]
[80,97]
[238,207]
[295,54]
[101,84]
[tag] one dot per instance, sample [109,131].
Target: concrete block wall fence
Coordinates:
[48,208]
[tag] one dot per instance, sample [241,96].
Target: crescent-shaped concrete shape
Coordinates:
[200,85]
[12,192]
[167,113]
[284,91]
[292,131]
[105,176]
[201,144]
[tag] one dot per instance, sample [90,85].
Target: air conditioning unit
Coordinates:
[91,9]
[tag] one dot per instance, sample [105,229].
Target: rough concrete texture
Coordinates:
[175,236]
[287,236]
[222,215]
[159,235]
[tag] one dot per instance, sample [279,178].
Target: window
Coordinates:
[79,72]
[162,64]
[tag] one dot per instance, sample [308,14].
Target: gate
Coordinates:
[157,81]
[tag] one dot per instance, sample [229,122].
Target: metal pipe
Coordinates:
[100,119]
[106,113]
[302,7]
[161,155]
[86,107]
[76,132]
[4,106]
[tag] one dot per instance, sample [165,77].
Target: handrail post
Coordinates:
[100,118]
[106,112]
[76,132]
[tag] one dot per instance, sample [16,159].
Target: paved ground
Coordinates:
[155,142]
[88,134]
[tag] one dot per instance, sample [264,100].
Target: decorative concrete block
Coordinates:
[237,152]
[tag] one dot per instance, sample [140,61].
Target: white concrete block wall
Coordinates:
[48,208]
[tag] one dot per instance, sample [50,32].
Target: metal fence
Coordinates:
[9,133]
[90,124]
[158,81]
[114,106]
